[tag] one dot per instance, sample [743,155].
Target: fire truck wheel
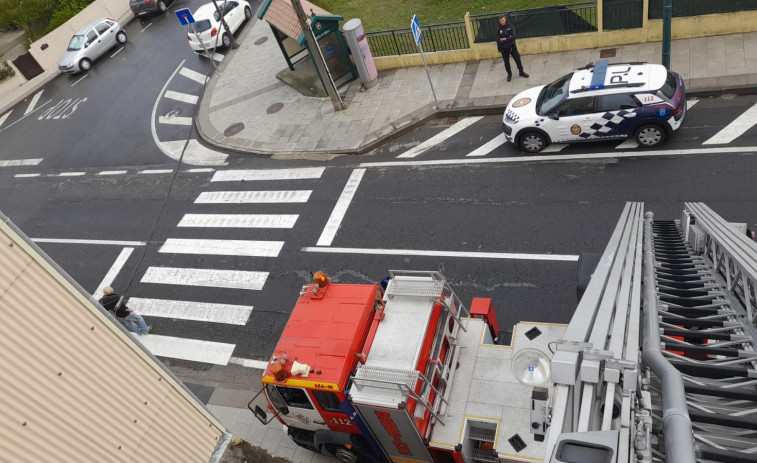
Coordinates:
[342,454]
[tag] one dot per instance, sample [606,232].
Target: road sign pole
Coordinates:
[436,103]
[415,27]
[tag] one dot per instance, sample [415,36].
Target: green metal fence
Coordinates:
[539,22]
[700,7]
[622,14]
[436,37]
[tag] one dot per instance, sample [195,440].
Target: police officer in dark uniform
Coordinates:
[506,46]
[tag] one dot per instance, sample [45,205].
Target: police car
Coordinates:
[599,102]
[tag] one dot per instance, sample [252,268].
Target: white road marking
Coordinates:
[69,174]
[188,349]
[232,279]
[253,197]
[489,146]
[193,75]
[33,103]
[690,103]
[184,97]
[177,120]
[239,220]
[566,157]
[155,171]
[145,28]
[112,172]
[249,248]
[190,310]
[26,175]
[99,242]
[203,169]
[267,174]
[113,272]
[629,143]
[25,115]
[440,137]
[4,117]
[117,52]
[80,79]
[20,162]
[420,252]
[554,148]
[340,209]
[257,364]
[736,128]
[193,153]
[215,56]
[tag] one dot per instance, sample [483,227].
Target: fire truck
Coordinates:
[658,363]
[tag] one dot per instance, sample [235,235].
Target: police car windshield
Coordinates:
[554,94]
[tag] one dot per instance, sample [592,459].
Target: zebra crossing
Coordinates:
[219,312]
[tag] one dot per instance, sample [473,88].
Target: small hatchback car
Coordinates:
[599,102]
[89,43]
[207,32]
[144,8]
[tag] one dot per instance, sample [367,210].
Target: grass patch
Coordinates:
[6,72]
[379,15]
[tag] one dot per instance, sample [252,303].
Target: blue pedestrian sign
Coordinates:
[185,17]
[416,27]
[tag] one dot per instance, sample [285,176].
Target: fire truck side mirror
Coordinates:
[259,407]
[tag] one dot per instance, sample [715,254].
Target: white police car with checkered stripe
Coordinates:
[599,102]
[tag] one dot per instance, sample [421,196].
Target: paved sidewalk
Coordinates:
[247,91]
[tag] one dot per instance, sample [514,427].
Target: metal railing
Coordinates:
[539,22]
[701,7]
[436,37]
[622,14]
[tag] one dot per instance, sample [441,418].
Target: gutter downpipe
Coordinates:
[679,442]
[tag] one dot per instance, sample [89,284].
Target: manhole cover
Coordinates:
[607,53]
[233,129]
[261,40]
[274,108]
[172,113]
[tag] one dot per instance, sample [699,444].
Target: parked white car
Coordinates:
[207,32]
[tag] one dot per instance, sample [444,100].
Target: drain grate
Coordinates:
[233,129]
[274,108]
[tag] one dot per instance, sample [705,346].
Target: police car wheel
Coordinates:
[533,142]
[649,136]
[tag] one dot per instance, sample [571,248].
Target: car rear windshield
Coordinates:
[669,87]
[76,43]
[200,26]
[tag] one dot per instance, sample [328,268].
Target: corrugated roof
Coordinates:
[280,14]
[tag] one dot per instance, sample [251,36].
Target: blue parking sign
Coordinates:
[185,16]
[416,27]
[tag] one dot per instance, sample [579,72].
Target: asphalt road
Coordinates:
[554,208]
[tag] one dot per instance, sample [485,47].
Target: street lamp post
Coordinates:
[667,16]
[234,43]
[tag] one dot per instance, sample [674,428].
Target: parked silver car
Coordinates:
[89,43]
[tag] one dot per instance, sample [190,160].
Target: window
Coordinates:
[229,6]
[329,401]
[576,106]
[91,37]
[102,28]
[616,102]
[294,397]
[669,87]
[554,94]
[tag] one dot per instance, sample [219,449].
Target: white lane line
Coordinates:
[248,248]
[4,117]
[80,79]
[113,272]
[33,103]
[257,364]
[155,171]
[20,162]
[232,279]
[202,169]
[69,174]
[99,242]
[421,252]
[192,152]
[440,137]
[145,28]
[340,209]
[112,172]
[184,97]
[253,197]
[218,57]
[630,143]
[193,75]
[554,148]
[489,146]
[239,220]
[190,310]
[567,157]
[26,175]
[267,174]
[195,350]
[117,52]
[25,115]
[736,128]
[690,103]
[177,120]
